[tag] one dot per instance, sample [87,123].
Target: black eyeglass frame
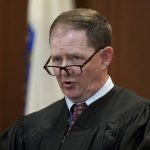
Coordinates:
[65,67]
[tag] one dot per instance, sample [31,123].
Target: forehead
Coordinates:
[65,38]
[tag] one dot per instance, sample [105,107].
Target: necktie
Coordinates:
[77,110]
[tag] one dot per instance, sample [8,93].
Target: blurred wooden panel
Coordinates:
[12,60]
[134,50]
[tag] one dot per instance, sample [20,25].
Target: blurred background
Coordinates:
[24,27]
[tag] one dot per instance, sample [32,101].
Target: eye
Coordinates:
[77,59]
[56,60]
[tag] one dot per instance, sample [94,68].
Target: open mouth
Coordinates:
[68,84]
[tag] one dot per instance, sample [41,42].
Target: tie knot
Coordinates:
[77,110]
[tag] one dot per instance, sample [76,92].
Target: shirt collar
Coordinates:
[101,92]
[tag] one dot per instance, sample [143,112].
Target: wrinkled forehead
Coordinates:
[65,34]
[64,29]
[66,40]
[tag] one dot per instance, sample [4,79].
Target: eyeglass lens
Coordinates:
[71,70]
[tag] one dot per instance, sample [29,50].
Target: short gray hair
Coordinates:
[98,29]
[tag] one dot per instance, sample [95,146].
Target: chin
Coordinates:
[72,96]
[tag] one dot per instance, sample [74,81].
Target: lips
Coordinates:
[68,84]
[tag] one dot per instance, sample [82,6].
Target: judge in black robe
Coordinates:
[120,120]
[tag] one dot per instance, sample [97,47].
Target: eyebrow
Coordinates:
[69,54]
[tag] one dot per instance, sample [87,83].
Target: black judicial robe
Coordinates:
[120,120]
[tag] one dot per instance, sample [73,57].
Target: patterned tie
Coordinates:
[77,110]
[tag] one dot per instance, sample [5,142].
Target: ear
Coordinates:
[106,55]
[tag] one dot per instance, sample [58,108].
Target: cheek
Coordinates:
[86,78]
[93,74]
[58,80]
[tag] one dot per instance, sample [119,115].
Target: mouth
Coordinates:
[68,84]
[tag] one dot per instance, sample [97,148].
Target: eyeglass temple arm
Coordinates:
[47,62]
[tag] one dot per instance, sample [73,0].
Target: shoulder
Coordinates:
[129,105]
[121,103]
[45,114]
[40,120]
[52,108]
[128,97]
[35,125]
[125,114]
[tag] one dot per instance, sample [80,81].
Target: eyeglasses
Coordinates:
[70,69]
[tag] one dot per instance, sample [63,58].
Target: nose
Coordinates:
[64,63]
[64,72]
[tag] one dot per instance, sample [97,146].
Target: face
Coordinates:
[70,47]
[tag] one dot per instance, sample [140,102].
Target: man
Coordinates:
[95,114]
